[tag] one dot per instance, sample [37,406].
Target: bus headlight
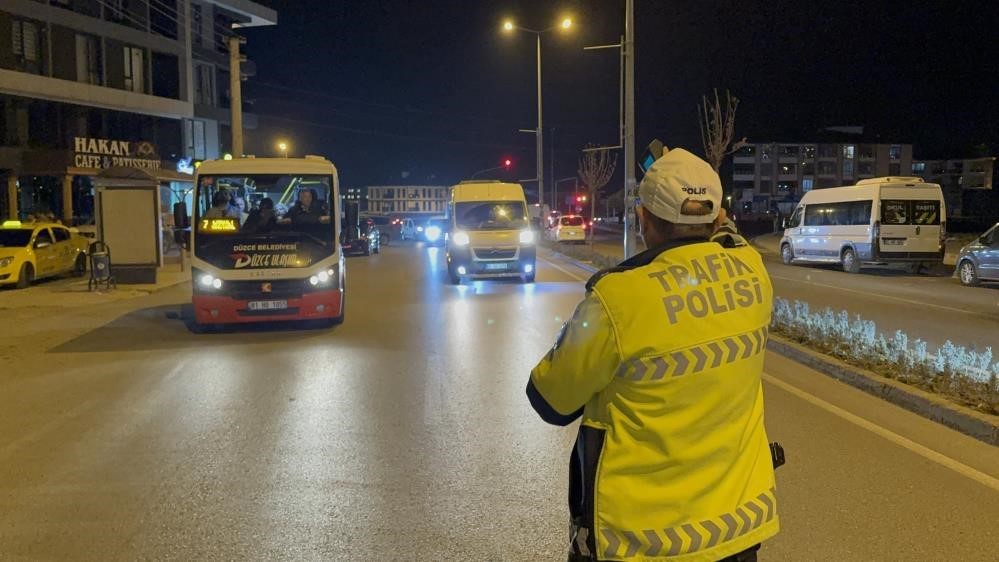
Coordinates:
[526,236]
[209,282]
[323,278]
[461,239]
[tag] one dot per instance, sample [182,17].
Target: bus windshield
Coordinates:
[248,218]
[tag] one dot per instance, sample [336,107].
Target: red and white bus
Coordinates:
[264,241]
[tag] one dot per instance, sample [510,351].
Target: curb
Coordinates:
[581,265]
[980,426]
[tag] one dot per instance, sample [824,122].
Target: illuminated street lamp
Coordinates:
[283,147]
[510,26]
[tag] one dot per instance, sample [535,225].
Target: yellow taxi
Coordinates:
[33,250]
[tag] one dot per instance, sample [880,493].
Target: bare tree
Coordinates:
[718,128]
[595,169]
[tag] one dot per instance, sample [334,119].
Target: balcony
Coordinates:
[68,91]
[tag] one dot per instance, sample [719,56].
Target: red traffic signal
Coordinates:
[507,162]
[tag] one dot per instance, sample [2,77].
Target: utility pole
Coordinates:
[235,94]
[628,52]
[541,144]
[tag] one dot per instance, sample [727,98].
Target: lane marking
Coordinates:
[564,270]
[889,297]
[925,452]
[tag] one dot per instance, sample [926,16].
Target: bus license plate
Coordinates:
[268,305]
[494,266]
[893,241]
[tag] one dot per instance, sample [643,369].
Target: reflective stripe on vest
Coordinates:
[691,360]
[689,538]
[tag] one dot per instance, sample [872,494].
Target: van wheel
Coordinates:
[850,262]
[968,274]
[786,254]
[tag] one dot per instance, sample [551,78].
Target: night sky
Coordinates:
[427,91]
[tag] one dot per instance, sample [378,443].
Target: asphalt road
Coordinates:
[403,435]
[931,307]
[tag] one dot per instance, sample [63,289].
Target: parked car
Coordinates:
[570,228]
[33,250]
[410,230]
[387,226]
[364,239]
[979,260]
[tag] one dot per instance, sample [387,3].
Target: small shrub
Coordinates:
[962,373]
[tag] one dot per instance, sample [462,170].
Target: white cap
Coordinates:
[676,178]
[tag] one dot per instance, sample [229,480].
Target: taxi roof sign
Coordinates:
[12,224]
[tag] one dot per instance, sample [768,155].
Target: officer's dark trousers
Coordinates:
[748,555]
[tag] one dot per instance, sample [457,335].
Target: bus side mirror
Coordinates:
[180,216]
[181,222]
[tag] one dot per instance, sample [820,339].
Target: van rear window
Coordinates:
[913,212]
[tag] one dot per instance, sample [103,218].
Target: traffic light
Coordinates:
[507,162]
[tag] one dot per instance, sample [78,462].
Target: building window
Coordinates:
[134,66]
[204,84]
[895,152]
[847,168]
[808,168]
[809,152]
[789,150]
[747,151]
[865,169]
[744,169]
[849,151]
[827,151]
[26,45]
[894,169]
[88,60]
[827,168]
[116,9]
[867,151]
[196,24]
[766,170]
[788,169]
[918,167]
[806,185]
[765,152]
[786,188]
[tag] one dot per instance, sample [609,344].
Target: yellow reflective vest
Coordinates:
[663,362]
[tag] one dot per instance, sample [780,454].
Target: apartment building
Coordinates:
[777,174]
[958,178]
[407,199]
[92,85]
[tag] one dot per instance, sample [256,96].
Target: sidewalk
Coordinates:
[72,292]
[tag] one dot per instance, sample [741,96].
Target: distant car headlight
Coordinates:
[433,233]
[526,236]
[4,262]
[461,239]
[419,229]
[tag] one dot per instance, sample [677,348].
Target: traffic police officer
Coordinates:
[663,361]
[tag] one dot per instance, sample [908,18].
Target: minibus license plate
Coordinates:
[493,266]
[268,305]
[893,241]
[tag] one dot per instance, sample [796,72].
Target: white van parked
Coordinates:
[879,220]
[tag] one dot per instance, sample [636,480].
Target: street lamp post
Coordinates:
[539,132]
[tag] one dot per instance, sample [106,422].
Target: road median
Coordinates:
[934,407]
